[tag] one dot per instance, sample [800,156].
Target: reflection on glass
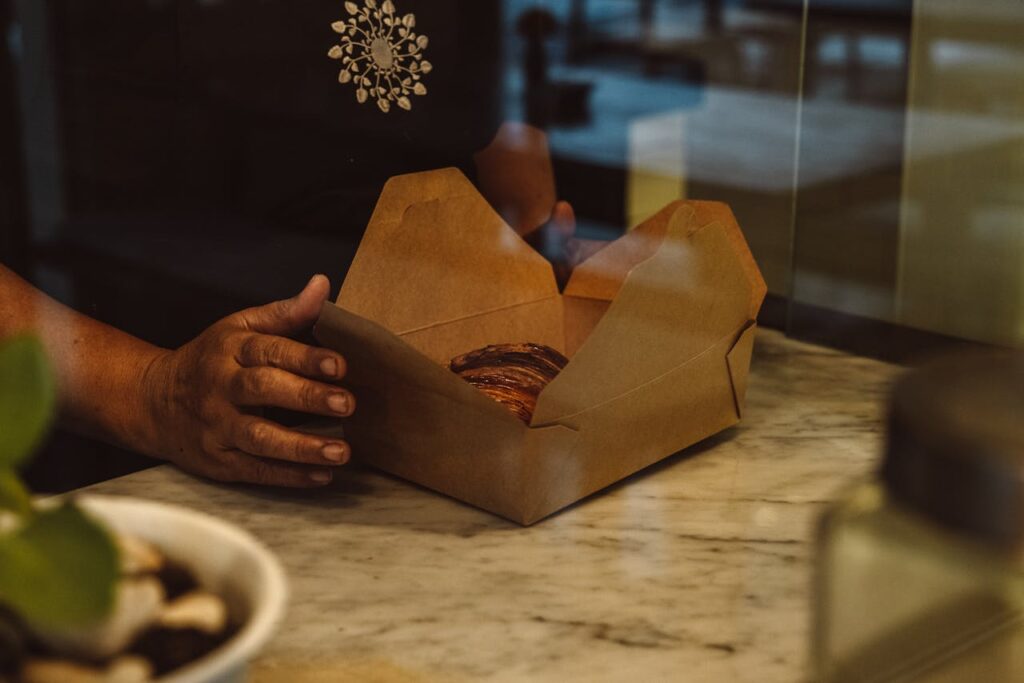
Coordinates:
[962,232]
[909,194]
[646,102]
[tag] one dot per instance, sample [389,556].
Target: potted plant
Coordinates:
[116,589]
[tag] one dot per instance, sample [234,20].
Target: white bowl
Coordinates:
[226,561]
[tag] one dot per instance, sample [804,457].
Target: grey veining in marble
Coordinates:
[697,569]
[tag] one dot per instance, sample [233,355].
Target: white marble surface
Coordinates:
[697,569]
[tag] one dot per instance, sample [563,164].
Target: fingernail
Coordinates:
[329,367]
[321,477]
[334,452]
[338,403]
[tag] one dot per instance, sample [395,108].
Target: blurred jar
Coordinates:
[920,573]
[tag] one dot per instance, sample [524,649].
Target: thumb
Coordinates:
[563,219]
[289,315]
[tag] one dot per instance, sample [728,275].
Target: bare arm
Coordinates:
[198,406]
[81,350]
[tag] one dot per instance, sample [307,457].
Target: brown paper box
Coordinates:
[658,326]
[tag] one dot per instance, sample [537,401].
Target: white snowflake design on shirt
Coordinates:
[381,54]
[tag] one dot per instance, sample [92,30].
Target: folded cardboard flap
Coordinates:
[603,274]
[634,431]
[679,302]
[400,191]
[440,260]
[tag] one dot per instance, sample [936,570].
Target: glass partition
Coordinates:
[166,163]
[961,249]
[910,186]
[645,102]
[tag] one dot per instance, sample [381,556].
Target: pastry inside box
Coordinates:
[511,374]
[478,378]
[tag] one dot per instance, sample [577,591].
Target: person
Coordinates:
[200,406]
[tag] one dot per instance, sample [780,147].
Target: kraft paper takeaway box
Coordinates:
[658,327]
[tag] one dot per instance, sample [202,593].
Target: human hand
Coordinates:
[515,174]
[557,241]
[205,400]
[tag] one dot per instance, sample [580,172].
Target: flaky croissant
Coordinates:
[511,374]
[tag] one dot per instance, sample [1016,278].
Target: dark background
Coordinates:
[188,159]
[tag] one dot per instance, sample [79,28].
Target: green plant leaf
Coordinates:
[59,569]
[27,398]
[13,494]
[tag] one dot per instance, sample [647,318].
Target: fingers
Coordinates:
[290,315]
[237,466]
[563,219]
[279,352]
[267,386]
[267,439]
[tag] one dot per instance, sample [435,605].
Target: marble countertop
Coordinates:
[696,569]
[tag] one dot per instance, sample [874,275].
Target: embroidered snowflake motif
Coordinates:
[381,54]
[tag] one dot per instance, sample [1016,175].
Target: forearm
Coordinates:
[99,369]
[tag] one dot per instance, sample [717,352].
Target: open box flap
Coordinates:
[694,291]
[400,191]
[436,252]
[601,276]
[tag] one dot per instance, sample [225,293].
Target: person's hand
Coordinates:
[515,174]
[206,398]
[557,241]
